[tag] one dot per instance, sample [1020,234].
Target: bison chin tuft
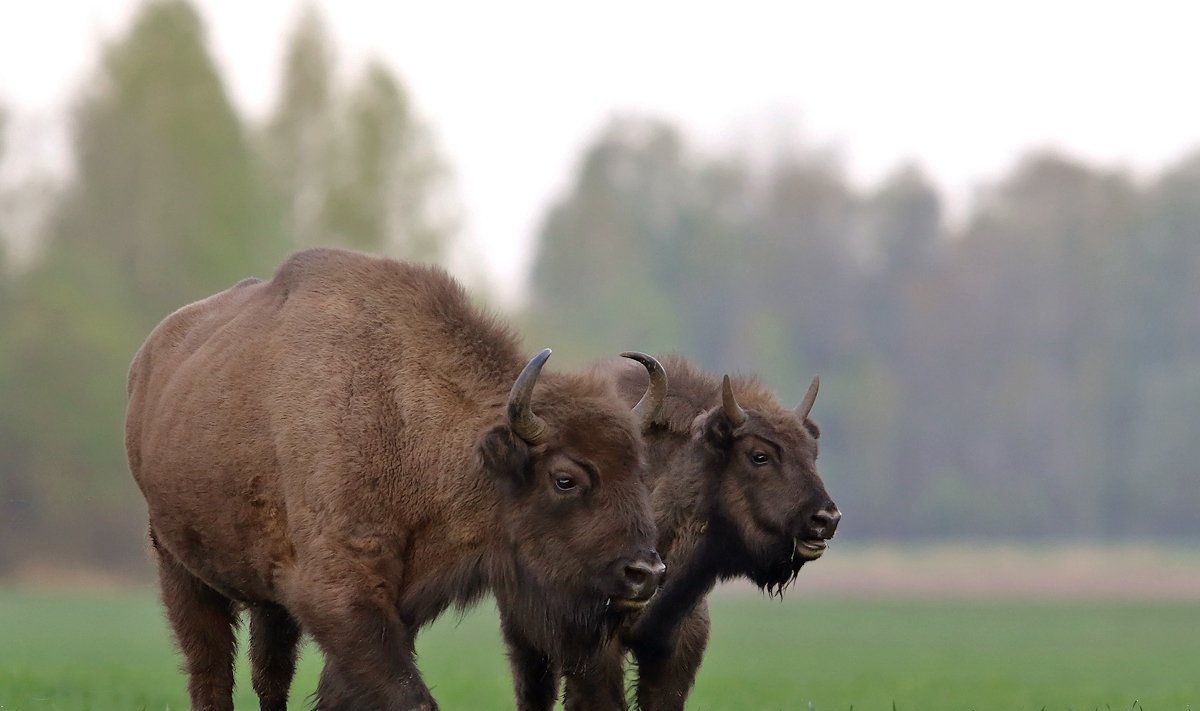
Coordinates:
[568,625]
[774,567]
[770,563]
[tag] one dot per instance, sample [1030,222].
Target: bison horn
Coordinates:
[806,405]
[648,408]
[521,418]
[733,411]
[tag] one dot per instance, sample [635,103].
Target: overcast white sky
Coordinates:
[514,90]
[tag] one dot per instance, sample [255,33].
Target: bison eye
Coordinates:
[564,483]
[759,458]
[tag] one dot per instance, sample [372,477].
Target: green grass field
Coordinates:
[72,652]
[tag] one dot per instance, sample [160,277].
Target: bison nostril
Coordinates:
[825,521]
[643,574]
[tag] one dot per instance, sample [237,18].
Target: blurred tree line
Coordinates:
[1031,373]
[173,195]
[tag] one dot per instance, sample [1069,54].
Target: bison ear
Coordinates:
[812,428]
[505,456]
[718,430]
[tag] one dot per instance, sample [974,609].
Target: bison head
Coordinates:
[767,494]
[576,521]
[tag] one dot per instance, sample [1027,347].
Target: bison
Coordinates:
[350,448]
[735,493]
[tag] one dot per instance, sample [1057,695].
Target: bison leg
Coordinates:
[274,637]
[204,622]
[369,659]
[666,672]
[534,678]
[600,685]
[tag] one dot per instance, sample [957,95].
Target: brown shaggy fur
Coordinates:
[719,516]
[330,449]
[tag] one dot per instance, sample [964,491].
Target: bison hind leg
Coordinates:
[274,638]
[204,622]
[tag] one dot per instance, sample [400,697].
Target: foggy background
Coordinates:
[1006,355]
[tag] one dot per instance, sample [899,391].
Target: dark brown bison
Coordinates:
[735,492]
[349,448]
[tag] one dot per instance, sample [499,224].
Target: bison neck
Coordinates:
[680,493]
[690,536]
[453,565]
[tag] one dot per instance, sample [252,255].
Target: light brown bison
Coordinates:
[735,493]
[348,449]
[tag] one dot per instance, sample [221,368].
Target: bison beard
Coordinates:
[566,625]
[772,566]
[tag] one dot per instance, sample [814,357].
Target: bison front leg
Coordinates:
[600,684]
[535,679]
[369,659]
[667,668]
[274,636]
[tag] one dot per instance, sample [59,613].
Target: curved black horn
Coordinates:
[521,418]
[806,405]
[733,411]
[648,408]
